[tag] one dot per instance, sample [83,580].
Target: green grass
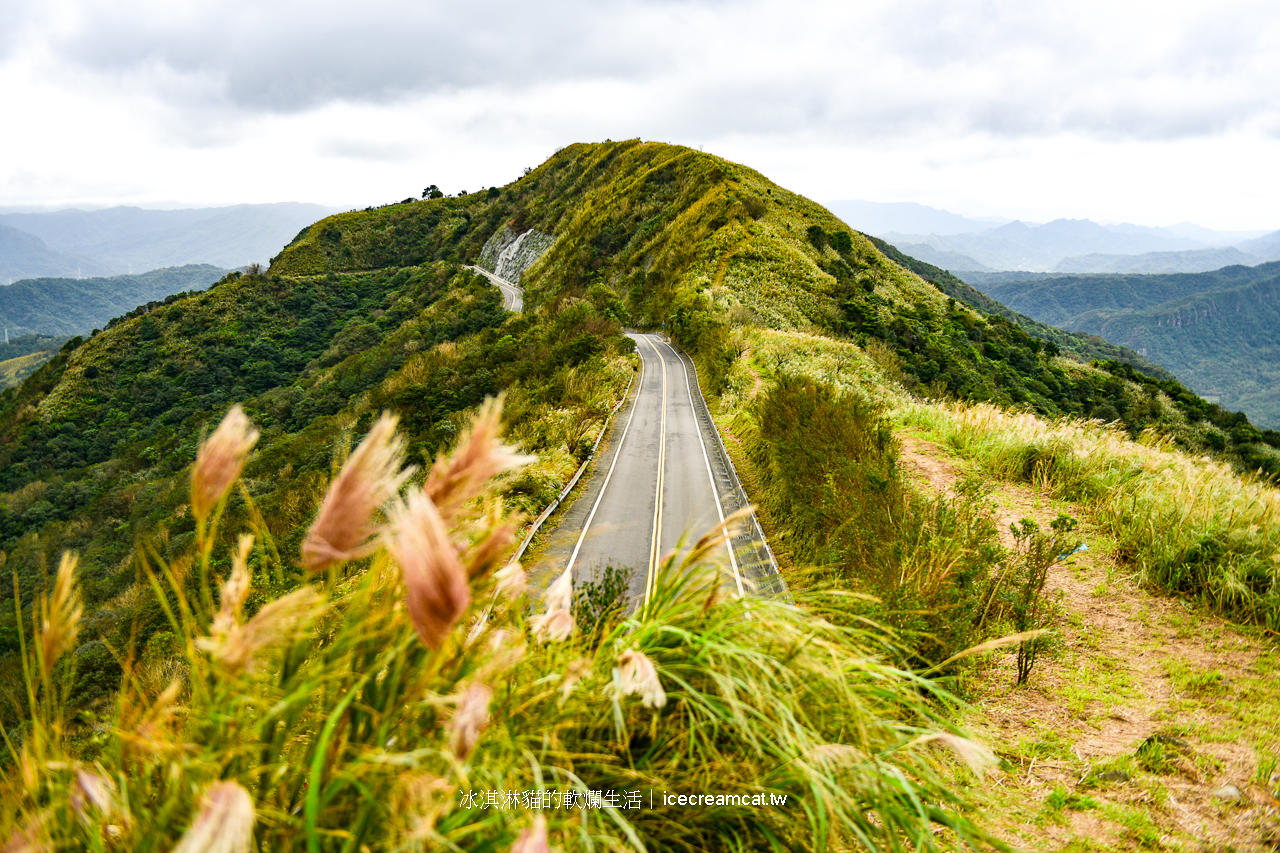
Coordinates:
[1061,799]
[1098,684]
[342,724]
[1193,681]
[1048,745]
[1190,525]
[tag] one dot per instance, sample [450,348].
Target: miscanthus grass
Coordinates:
[1192,525]
[383,703]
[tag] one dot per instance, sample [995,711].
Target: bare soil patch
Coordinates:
[1151,724]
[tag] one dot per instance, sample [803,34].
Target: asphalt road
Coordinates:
[512,295]
[662,482]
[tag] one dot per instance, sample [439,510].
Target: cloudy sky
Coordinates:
[1116,110]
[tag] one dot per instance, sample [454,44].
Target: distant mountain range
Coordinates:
[1218,331]
[877,218]
[960,243]
[1266,246]
[78,243]
[1192,260]
[24,255]
[944,258]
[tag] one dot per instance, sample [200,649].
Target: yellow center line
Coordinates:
[655,549]
[715,492]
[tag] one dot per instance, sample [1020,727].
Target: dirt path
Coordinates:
[1149,725]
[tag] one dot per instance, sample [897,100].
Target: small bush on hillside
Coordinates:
[833,487]
[600,603]
[1017,593]
[817,236]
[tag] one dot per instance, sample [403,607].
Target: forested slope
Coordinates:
[1219,331]
[69,306]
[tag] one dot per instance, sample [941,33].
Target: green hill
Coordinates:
[816,346]
[700,244]
[357,312]
[66,306]
[1218,331]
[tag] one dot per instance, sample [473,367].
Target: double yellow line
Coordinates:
[655,547]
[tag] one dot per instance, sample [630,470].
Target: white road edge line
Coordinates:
[514,291]
[621,442]
[715,492]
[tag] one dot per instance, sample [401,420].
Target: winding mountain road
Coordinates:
[512,294]
[661,480]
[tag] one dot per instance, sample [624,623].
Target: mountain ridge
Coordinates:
[1191,260]
[124,240]
[1215,329]
[962,243]
[24,255]
[332,689]
[62,306]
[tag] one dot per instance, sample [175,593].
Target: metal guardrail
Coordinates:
[770,579]
[499,282]
[573,481]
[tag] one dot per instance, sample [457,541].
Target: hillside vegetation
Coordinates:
[351,692]
[72,306]
[24,354]
[1218,331]
[1086,347]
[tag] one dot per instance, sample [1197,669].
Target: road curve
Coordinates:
[512,294]
[664,478]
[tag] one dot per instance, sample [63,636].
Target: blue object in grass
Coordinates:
[1080,547]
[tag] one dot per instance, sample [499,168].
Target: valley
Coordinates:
[1215,330]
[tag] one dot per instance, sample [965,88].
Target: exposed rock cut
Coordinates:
[508,254]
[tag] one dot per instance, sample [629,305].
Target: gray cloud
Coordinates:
[367,150]
[710,68]
[296,56]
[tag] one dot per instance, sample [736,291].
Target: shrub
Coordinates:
[817,236]
[834,492]
[1017,592]
[600,603]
